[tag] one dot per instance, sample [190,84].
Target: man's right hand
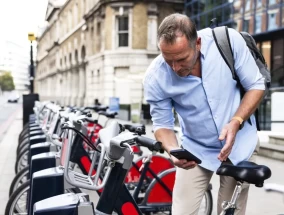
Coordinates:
[183,163]
[168,138]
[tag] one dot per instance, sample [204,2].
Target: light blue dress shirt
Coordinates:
[205,105]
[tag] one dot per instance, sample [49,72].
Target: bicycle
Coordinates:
[84,163]
[118,154]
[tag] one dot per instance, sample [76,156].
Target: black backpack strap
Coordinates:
[222,40]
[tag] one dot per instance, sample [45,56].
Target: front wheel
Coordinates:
[17,203]
[19,179]
[206,205]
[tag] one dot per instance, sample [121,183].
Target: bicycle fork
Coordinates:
[229,207]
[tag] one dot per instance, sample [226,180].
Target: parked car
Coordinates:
[13,99]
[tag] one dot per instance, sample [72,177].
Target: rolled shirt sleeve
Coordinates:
[245,65]
[161,108]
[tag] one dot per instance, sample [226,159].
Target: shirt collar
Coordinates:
[202,49]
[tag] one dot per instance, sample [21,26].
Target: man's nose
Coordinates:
[176,67]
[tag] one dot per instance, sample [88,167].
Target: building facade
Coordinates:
[264,19]
[98,49]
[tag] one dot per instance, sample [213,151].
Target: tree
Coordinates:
[6,82]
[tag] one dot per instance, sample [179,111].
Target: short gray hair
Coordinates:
[176,25]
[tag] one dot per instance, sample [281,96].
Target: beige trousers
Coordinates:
[190,186]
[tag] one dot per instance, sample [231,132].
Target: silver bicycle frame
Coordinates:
[232,204]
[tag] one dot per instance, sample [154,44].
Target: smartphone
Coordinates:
[184,154]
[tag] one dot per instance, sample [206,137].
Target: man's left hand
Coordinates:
[229,133]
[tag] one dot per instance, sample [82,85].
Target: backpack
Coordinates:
[222,40]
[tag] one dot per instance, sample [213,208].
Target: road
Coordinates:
[7,113]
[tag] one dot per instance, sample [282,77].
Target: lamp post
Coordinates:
[29,99]
[31,37]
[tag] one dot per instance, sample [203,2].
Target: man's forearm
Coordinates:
[168,138]
[249,103]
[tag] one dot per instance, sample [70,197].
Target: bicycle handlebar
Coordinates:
[139,129]
[152,145]
[108,114]
[97,108]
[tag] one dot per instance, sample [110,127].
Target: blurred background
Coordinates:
[86,52]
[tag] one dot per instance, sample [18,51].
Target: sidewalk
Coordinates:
[8,147]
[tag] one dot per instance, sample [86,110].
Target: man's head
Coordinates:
[179,44]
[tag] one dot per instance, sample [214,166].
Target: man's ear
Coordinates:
[198,43]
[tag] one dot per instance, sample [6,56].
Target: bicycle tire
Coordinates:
[17,178]
[19,159]
[209,200]
[26,128]
[10,206]
[22,146]
[10,209]
[24,138]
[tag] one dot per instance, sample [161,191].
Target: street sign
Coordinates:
[114,104]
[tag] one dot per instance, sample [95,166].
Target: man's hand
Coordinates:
[183,163]
[229,133]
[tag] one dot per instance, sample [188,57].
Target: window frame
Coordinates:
[119,32]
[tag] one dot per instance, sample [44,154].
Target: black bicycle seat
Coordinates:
[246,172]
[108,114]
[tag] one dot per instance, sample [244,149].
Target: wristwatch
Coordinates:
[240,119]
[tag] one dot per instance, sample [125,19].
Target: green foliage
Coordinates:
[6,81]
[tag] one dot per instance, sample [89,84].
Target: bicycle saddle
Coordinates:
[108,114]
[246,171]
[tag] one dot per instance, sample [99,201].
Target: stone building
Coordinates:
[98,49]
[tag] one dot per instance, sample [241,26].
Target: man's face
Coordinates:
[180,56]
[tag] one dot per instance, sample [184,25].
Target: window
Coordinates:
[272,2]
[122,30]
[258,3]
[83,8]
[98,28]
[282,17]
[247,5]
[98,36]
[266,52]
[257,28]
[70,20]
[227,13]
[75,14]
[246,25]
[273,19]
[203,21]
[219,15]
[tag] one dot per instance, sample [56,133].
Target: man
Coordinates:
[191,76]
